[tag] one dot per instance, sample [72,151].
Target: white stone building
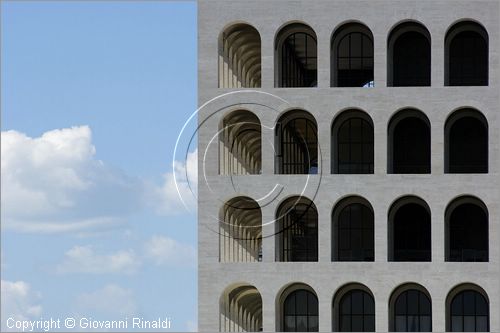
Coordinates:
[349,165]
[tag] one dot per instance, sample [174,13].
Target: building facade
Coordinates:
[349,165]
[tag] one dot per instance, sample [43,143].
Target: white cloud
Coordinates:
[164,250]
[19,302]
[109,302]
[67,189]
[83,259]
[185,175]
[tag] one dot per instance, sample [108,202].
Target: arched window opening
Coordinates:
[296,143]
[410,230]
[354,310]
[352,56]
[241,309]
[353,230]
[352,143]
[467,310]
[412,311]
[300,310]
[467,230]
[409,143]
[296,55]
[466,55]
[240,144]
[466,142]
[239,57]
[409,52]
[297,230]
[240,231]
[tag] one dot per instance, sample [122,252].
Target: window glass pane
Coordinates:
[369,323]
[469,308]
[345,324]
[301,323]
[456,324]
[346,304]
[290,305]
[425,305]
[357,323]
[482,324]
[312,304]
[400,324]
[413,323]
[313,324]
[343,48]
[481,305]
[356,44]
[357,302]
[369,304]
[400,306]
[290,324]
[301,302]
[469,324]
[456,305]
[425,324]
[412,301]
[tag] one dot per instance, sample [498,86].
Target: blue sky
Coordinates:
[94,95]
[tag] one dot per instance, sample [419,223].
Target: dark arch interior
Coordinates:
[296,144]
[411,60]
[412,312]
[355,147]
[355,235]
[468,233]
[353,57]
[300,312]
[469,312]
[468,59]
[357,312]
[412,233]
[297,231]
[468,146]
[411,146]
[298,61]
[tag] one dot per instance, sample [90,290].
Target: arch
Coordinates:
[296,56]
[352,143]
[409,230]
[409,55]
[353,230]
[239,57]
[297,309]
[466,54]
[410,309]
[296,143]
[466,142]
[240,144]
[466,222]
[297,230]
[240,231]
[353,309]
[352,56]
[409,142]
[240,309]
[467,309]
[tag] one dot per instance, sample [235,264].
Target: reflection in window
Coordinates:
[357,312]
[297,56]
[412,312]
[469,312]
[300,312]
